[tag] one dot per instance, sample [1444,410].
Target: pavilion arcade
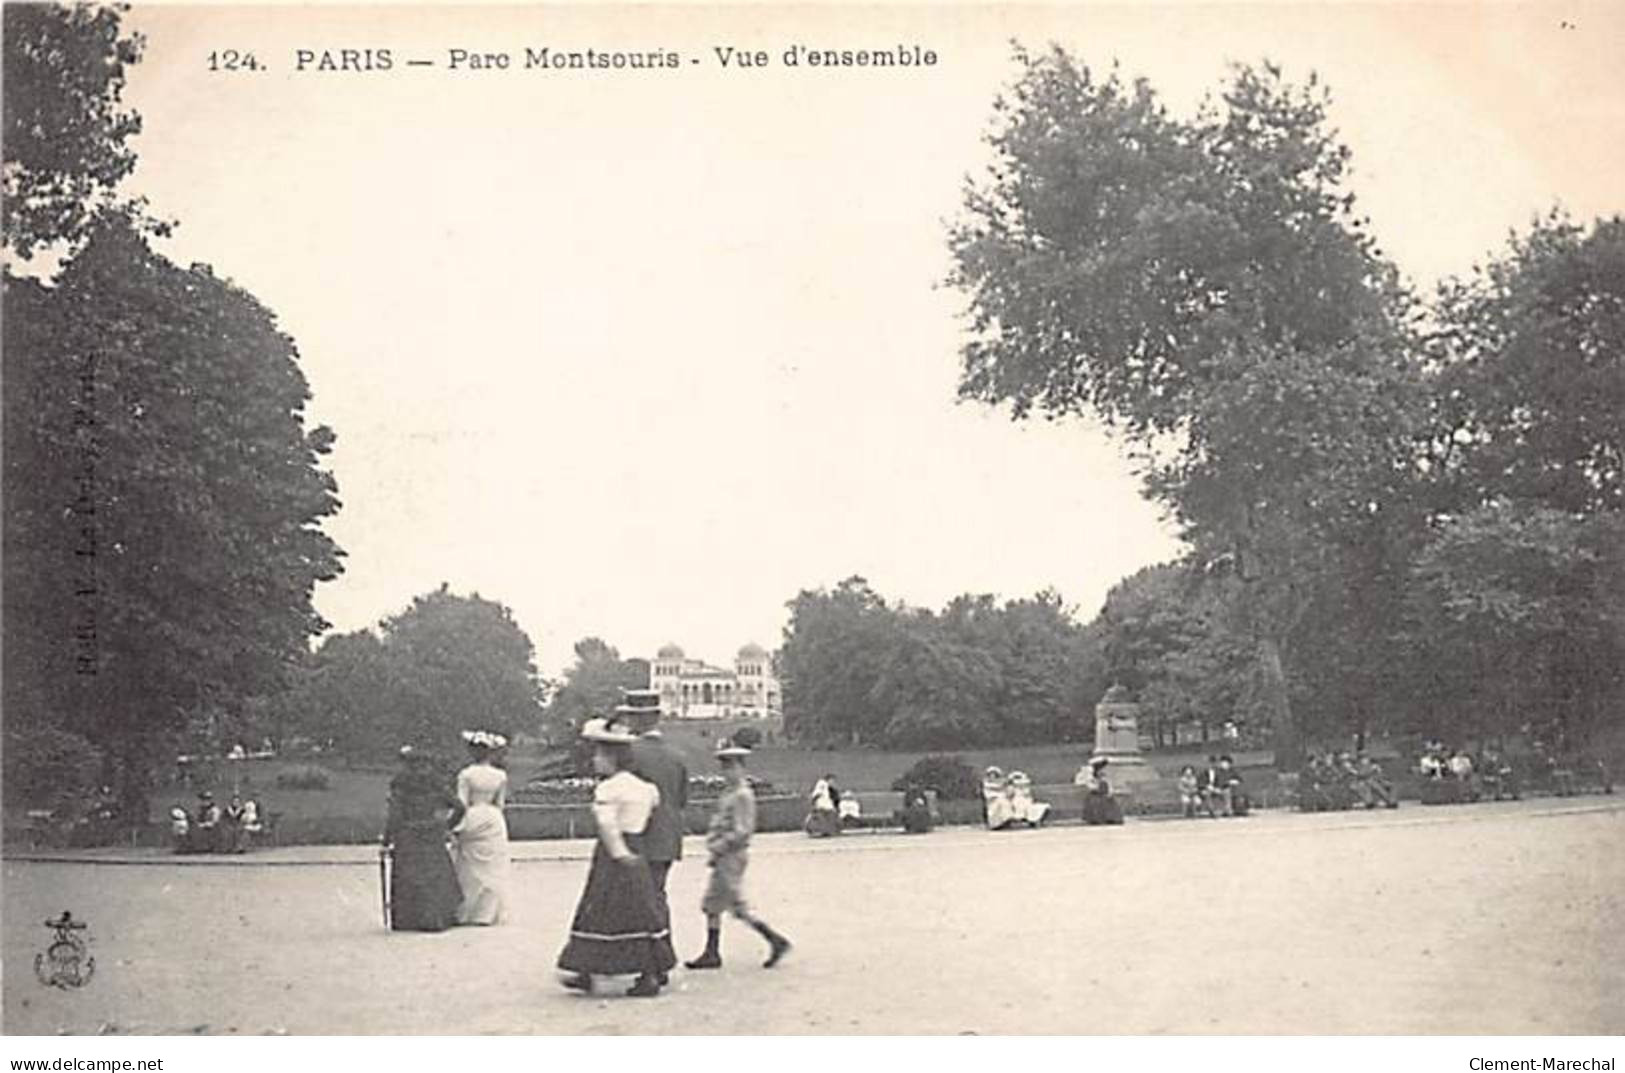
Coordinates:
[693,689]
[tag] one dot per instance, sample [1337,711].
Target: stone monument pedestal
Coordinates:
[1117,739]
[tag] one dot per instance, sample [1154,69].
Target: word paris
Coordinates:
[368,60]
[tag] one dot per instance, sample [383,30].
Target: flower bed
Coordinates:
[578,790]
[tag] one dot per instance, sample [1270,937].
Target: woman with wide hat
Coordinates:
[618,927]
[1099,806]
[423,890]
[823,814]
[996,809]
[482,837]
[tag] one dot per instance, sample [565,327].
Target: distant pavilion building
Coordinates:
[693,689]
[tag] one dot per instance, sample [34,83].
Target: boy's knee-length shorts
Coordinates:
[725,892]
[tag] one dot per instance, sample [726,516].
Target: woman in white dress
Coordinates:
[996,799]
[482,837]
[1023,808]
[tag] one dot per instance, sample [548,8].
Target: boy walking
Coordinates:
[728,842]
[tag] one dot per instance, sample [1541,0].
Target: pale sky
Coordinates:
[643,353]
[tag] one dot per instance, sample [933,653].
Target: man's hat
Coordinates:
[1099,761]
[636,702]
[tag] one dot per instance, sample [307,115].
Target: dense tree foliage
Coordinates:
[1520,582]
[164,495]
[1166,636]
[592,686]
[446,664]
[858,670]
[164,499]
[65,135]
[1365,502]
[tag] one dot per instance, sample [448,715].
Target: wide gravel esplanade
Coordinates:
[1493,918]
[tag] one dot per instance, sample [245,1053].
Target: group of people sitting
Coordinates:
[1335,781]
[1216,790]
[1452,775]
[1007,800]
[828,811]
[831,812]
[211,829]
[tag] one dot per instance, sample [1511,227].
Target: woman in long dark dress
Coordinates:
[423,890]
[618,927]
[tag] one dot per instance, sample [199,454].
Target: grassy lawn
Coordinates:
[360,795]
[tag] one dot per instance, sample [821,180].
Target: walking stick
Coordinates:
[383,882]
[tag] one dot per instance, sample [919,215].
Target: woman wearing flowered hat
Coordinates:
[423,891]
[482,837]
[996,799]
[618,928]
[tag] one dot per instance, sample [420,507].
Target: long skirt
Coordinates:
[482,865]
[1101,809]
[423,891]
[618,927]
[999,812]
[822,822]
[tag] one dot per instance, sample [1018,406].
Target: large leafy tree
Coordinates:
[472,667]
[1521,580]
[445,664]
[858,670]
[1165,635]
[592,685]
[1530,387]
[1205,288]
[836,645]
[164,499]
[66,133]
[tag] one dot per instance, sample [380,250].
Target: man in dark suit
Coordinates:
[654,760]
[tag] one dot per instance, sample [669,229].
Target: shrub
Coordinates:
[949,776]
[747,737]
[305,777]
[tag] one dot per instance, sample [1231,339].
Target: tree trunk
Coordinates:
[1277,708]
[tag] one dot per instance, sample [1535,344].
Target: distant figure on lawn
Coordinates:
[180,825]
[1190,793]
[1231,788]
[482,837]
[242,823]
[916,810]
[1099,806]
[206,836]
[1373,785]
[727,840]
[1023,808]
[996,809]
[823,818]
[423,890]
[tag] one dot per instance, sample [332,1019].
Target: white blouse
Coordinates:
[628,799]
[482,784]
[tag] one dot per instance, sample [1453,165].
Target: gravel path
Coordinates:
[1495,918]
